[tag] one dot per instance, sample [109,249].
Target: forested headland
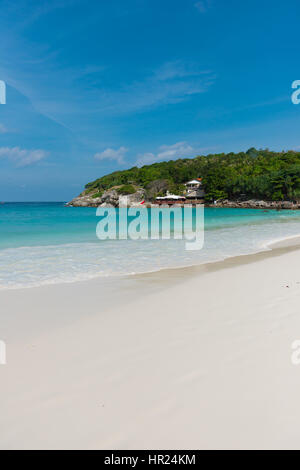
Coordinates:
[257,174]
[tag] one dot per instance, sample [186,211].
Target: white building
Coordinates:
[170,198]
[194,189]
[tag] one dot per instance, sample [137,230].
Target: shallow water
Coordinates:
[48,243]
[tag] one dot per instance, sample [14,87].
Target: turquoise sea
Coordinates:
[48,243]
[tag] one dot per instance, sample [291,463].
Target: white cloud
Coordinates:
[171,83]
[176,70]
[22,157]
[168,152]
[111,154]
[203,5]
[3,129]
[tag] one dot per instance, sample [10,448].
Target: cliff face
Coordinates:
[109,198]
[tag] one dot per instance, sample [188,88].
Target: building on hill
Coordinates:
[194,189]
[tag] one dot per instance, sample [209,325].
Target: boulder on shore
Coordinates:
[110,198]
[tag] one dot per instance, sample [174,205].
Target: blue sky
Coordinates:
[95,86]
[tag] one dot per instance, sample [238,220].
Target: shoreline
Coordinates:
[284,244]
[272,249]
[255,204]
[222,204]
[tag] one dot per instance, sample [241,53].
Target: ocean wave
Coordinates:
[33,266]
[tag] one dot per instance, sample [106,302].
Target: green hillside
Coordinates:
[258,174]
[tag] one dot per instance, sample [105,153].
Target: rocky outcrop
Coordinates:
[110,198]
[132,200]
[84,200]
[257,204]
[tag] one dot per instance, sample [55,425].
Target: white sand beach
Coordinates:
[196,358]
